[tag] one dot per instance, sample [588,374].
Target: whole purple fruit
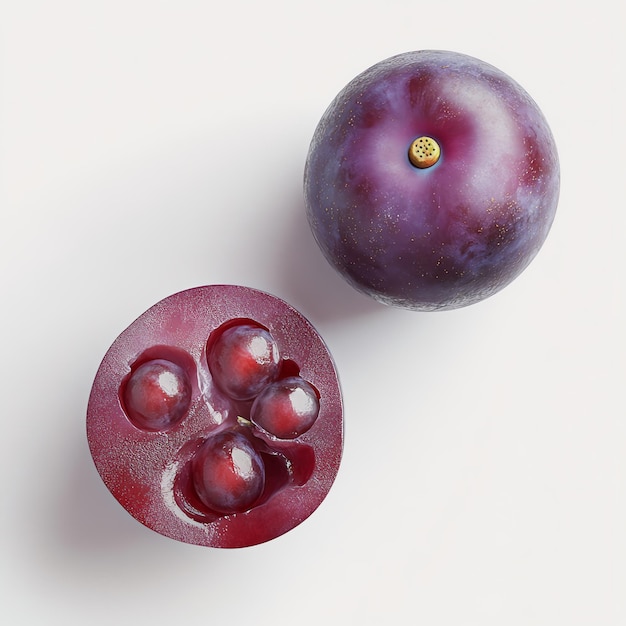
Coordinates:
[432,181]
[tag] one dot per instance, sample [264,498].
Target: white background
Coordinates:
[149,146]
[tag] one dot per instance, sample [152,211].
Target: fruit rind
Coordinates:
[446,236]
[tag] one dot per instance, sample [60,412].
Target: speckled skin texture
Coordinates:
[149,471]
[449,235]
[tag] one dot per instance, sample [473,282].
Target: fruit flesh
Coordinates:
[448,235]
[176,479]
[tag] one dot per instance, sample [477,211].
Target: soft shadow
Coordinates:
[90,542]
[308,281]
[90,523]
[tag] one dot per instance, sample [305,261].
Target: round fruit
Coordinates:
[286,408]
[431,181]
[176,445]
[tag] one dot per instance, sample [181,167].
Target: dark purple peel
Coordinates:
[456,231]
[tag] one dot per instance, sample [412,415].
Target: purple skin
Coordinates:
[449,235]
